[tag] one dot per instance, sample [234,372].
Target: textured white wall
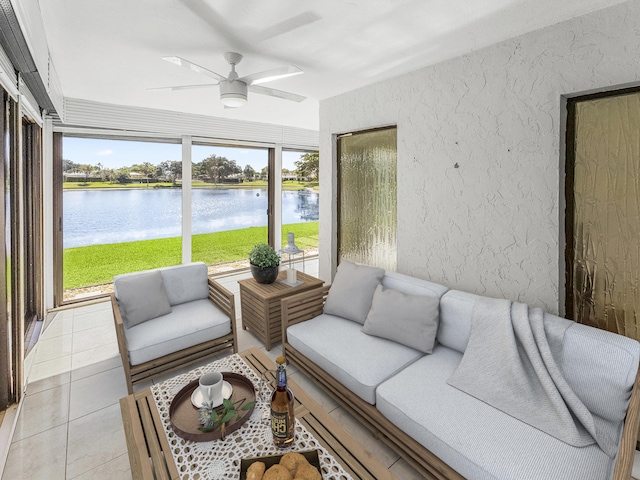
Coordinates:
[480,154]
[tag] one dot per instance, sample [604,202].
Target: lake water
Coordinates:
[112,216]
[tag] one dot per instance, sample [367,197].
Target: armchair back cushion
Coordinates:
[141,297]
[186,283]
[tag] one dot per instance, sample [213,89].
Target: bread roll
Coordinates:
[308,472]
[292,461]
[255,471]
[277,472]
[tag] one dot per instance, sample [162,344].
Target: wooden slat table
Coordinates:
[150,455]
[260,303]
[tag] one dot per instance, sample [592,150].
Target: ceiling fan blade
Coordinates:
[276,93]
[181,62]
[181,87]
[272,74]
[288,25]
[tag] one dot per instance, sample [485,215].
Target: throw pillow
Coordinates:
[142,297]
[411,320]
[352,290]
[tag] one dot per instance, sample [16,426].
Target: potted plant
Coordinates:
[264,263]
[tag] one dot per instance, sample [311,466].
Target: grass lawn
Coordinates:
[96,264]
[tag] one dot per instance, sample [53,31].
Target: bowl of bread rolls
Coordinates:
[290,466]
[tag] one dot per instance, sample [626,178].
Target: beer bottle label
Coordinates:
[279,424]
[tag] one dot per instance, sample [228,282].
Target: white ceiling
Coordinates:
[110,50]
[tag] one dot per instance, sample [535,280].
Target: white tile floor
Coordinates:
[70,425]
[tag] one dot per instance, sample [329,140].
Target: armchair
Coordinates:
[170,317]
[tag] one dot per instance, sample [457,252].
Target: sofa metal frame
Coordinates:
[305,306]
[222,298]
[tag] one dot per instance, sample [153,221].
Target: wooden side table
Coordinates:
[260,304]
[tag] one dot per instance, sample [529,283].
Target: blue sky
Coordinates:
[124,153]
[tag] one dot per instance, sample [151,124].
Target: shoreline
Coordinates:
[295,188]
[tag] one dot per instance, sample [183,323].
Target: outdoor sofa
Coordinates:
[167,318]
[355,346]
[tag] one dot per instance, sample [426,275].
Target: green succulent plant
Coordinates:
[264,256]
[211,417]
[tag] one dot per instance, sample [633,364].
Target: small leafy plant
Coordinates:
[211,417]
[264,256]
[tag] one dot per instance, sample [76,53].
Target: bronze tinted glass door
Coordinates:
[603,212]
[367,198]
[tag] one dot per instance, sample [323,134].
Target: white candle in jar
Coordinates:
[291,276]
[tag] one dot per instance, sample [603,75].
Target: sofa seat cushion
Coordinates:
[475,439]
[357,360]
[187,325]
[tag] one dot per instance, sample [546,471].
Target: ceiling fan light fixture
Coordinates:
[233,94]
[233,101]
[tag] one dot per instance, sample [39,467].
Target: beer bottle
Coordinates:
[282,417]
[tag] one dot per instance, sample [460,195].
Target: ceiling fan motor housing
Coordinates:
[233,93]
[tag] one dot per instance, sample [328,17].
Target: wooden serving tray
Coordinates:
[184,416]
[270,460]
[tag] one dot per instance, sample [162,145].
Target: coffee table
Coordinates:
[150,454]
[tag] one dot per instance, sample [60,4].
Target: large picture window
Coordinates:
[124,205]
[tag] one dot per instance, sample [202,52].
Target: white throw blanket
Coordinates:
[509,364]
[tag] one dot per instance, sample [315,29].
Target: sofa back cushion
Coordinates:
[141,297]
[186,283]
[352,290]
[599,366]
[410,320]
[456,309]
[412,285]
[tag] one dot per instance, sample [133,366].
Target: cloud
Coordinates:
[104,153]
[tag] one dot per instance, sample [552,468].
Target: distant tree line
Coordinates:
[214,169]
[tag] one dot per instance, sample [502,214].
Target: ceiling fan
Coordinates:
[233,89]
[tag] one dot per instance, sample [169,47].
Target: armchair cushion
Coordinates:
[185,283]
[187,325]
[141,297]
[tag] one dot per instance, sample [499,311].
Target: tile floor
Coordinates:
[70,425]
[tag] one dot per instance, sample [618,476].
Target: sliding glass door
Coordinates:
[7,367]
[121,211]
[33,237]
[21,302]
[229,204]
[301,198]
